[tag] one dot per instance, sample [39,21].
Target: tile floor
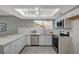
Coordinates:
[38,50]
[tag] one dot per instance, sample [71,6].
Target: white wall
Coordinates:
[11,22]
[25,23]
[75,36]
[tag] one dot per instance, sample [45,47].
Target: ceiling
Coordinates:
[4,13]
[10,10]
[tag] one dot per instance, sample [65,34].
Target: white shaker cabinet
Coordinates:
[21,43]
[28,39]
[1,50]
[13,47]
[10,48]
[45,40]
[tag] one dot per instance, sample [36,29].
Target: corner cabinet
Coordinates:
[13,47]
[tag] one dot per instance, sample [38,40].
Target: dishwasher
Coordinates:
[34,40]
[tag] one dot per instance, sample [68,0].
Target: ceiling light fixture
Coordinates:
[36,12]
[29,11]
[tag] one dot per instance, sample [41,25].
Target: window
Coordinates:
[42,24]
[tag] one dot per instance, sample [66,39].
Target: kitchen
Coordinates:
[45,29]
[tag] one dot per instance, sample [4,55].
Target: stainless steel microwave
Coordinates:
[60,24]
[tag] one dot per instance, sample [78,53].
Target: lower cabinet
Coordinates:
[14,47]
[10,48]
[45,40]
[64,45]
[1,50]
[28,40]
[42,40]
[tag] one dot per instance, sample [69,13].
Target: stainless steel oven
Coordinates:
[55,42]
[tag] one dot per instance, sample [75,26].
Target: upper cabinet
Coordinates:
[63,23]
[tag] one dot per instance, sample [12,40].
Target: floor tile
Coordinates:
[38,50]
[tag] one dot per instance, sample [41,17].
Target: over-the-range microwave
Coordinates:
[60,24]
[63,23]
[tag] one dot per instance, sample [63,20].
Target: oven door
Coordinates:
[55,43]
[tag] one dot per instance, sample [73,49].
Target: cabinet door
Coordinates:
[48,40]
[21,43]
[45,40]
[15,47]
[41,40]
[28,40]
[1,50]
[67,23]
[24,40]
[18,45]
[10,48]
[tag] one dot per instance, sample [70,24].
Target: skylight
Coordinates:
[36,12]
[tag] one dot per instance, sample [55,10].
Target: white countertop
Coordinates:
[8,39]
[32,34]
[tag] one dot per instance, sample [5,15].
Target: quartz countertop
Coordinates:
[37,34]
[8,39]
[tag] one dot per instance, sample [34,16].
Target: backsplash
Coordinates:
[30,30]
[57,30]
